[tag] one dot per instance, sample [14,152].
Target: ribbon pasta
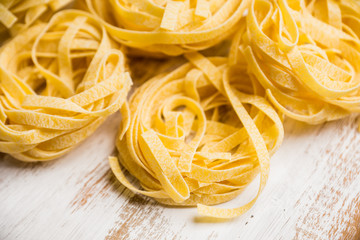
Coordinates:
[58,83]
[306,54]
[198,136]
[18,15]
[195,136]
[168,26]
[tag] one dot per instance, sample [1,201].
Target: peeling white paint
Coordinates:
[307,195]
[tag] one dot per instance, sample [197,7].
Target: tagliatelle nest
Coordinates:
[198,136]
[306,54]
[19,15]
[58,82]
[167,26]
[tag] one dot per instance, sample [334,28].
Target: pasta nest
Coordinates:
[306,54]
[167,26]
[17,15]
[58,82]
[198,135]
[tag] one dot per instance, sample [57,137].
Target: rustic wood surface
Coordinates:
[313,193]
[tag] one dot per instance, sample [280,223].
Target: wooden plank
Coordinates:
[313,193]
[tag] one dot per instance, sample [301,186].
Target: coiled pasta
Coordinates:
[167,26]
[198,136]
[306,54]
[58,82]
[17,15]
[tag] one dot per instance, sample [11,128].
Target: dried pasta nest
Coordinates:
[58,82]
[19,15]
[198,136]
[306,54]
[167,26]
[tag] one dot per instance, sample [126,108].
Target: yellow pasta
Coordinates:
[306,54]
[168,26]
[18,15]
[195,136]
[58,82]
[198,136]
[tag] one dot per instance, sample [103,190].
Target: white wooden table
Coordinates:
[313,193]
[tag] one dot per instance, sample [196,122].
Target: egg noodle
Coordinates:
[198,136]
[18,15]
[58,82]
[306,54]
[168,26]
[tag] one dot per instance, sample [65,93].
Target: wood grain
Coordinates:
[313,193]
